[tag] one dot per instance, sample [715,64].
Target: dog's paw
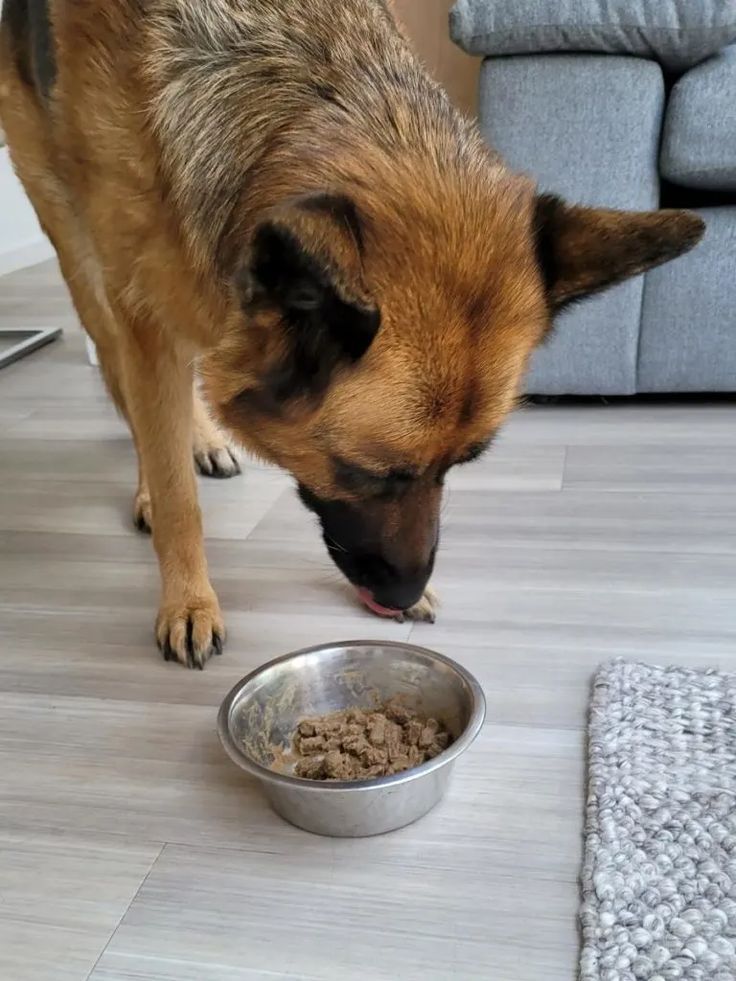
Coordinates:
[216,461]
[142,512]
[426,609]
[190,632]
[213,454]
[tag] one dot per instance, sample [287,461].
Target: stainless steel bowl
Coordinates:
[263,710]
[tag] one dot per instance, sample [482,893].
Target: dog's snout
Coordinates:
[390,557]
[392,585]
[401,594]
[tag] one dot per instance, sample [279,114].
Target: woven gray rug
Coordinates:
[659,876]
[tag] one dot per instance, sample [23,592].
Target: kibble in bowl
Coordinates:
[362,744]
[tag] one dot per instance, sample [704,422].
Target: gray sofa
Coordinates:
[625,104]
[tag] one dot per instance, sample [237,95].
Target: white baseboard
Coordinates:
[22,243]
[26,255]
[92,352]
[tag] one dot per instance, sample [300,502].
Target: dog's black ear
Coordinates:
[582,251]
[323,318]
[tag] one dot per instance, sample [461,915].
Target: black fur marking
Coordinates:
[30,27]
[547,208]
[15,17]
[322,327]
[42,42]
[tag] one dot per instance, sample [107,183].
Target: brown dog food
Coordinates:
[359,744]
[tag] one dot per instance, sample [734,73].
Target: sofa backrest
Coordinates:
[677,33]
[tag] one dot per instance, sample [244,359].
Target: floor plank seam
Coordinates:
[563,479]
[125,911]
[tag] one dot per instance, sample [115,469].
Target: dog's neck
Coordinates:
[283,117]
[390,180]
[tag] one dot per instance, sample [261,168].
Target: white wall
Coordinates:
[22,243]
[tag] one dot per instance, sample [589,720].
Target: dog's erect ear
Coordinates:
[304,270]
[585,250]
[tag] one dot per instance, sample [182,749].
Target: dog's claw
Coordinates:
[190,635]
[220,463]
[142,513]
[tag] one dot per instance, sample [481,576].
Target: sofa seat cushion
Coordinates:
[677,33]
[699,140]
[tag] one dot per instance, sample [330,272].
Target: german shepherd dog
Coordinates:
[274,224]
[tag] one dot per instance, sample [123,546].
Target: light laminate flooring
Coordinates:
[132,850]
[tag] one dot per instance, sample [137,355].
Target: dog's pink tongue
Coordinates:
[366,597]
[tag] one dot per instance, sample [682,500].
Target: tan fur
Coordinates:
[176,128]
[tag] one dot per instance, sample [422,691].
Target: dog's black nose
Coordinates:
[391,587]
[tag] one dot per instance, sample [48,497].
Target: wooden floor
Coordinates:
[132,850]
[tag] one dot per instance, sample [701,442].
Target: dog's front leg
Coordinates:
[189,628]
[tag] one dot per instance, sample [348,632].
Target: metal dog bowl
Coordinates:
[263,710]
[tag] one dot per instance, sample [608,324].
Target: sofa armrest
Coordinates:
[699,140]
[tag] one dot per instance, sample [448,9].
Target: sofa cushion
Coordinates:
[688,335]
[586,127]
[678,33]
[699,142]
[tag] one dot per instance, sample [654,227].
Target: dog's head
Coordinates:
[385,347]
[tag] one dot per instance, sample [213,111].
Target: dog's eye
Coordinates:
[400,477]
[362,481]
[473,453]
